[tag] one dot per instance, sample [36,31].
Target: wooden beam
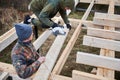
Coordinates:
[45,69]
[41,39]
[106,2]
[78,75]
[7,38]
[60,77]
[7,68]
[98,61]
[16,77]
[59,65]
[108,16]
[101,43]
[4,76]
[103,33]
[106,52]
[88,10]
[106,22]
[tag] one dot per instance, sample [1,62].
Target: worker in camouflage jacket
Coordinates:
[25,58]
[47,9]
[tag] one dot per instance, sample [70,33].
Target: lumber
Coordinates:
[7,38]
[106,22]
[7,68]
[79,75]
[41,39]
[106,2]
[98,61]
[88,10]
[60,77]
[101,43]
[61,61]
[16,77]
[107,52]
[102,33]
[108,16]
[4,76]
[45,69]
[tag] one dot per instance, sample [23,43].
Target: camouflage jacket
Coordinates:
[24,59]
[46,9]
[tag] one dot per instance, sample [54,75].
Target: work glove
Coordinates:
[27,19]
[58,29]
[68,26]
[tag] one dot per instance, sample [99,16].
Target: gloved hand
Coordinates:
[58,30]
[69,26]
[27,19]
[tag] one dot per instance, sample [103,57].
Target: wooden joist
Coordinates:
[7,38]
[7,68]
[101,43]
[106,15]
[60,77]
[43,37]
[104,19]
[98,61]
[107,22]
[45,69]
[106,2]
[78,75]
[4,76]
[107,52]
[107,34]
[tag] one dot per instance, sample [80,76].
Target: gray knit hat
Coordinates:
[23,31]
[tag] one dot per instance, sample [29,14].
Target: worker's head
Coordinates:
[69,4]
[24,32]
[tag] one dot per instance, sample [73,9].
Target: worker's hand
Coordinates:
[27,19]
[69,26]
[58,31]
[41,59]
[56,25]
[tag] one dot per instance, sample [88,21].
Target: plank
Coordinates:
[88,10]
[45,69]
[41,39]
[103,33]
[91,25]
[78,75]
[7,68]
[61,61]
[7,38]
[60,77]
[106,2]
[101,43]
[4,76]
[106,15]
[106,22]
[16,77]
[98,61]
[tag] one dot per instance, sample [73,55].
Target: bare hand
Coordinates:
[41,59]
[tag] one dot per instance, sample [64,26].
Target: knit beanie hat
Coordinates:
[23,31]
